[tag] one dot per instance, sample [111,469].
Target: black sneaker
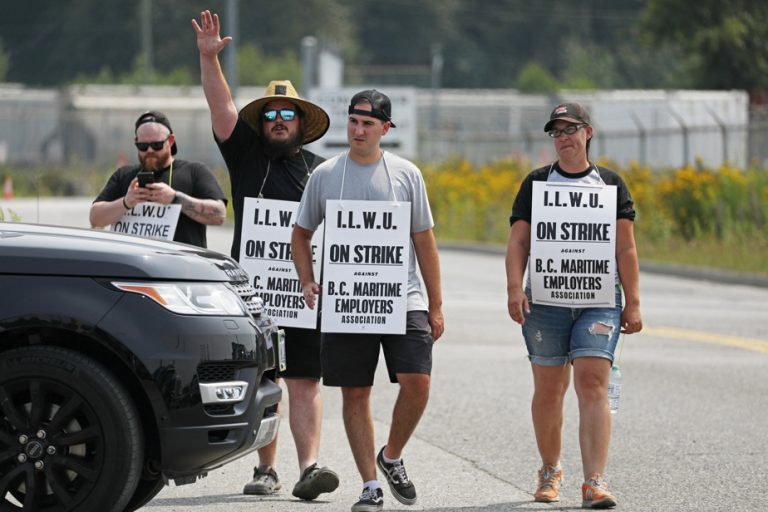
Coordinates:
[372,500]
[315,481]
[402,489]
[264,481]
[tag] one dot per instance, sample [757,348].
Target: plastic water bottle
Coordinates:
[614,388]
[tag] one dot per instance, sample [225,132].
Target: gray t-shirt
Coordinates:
[330,180]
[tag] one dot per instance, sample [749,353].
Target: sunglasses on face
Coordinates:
[156,145]
[286,114]
[568,130]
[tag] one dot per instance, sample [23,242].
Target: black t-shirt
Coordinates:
[521,209]
[191,178]
[247,161]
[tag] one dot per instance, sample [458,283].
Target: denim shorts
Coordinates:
[556,335]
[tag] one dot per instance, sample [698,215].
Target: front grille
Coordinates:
[219,409]
[255,307]
[216,372]
[244,289]
[247,292]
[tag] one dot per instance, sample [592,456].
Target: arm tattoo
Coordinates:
[201,210]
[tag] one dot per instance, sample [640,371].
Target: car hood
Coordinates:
[34,249]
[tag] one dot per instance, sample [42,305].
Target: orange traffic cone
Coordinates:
[8,188]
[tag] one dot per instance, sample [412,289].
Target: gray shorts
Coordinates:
[350,359]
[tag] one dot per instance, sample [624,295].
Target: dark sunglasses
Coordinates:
[286,114]
[568,130]
[156,145]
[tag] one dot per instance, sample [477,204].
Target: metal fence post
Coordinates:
[642,134]
[684,129]
[723,133]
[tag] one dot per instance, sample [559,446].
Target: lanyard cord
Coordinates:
[593,166]
[269,167]
[386,168]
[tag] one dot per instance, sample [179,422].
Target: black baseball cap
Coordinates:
[571,112]
[381,107]
[153,116]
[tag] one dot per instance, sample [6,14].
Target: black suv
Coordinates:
[124,363]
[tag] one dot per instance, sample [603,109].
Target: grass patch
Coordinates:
[690,216]
[746,255]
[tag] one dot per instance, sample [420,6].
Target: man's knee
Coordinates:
[414,383]
[356,393]
[302,390]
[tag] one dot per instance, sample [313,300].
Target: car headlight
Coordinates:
[190,298]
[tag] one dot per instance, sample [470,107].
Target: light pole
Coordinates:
[233,22]
[146,40]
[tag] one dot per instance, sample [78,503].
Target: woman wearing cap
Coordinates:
[558,334]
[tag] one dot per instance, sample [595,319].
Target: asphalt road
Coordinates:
[690,434]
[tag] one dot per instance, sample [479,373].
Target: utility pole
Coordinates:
[436,79]
[146,40]
[233,22]
[309,54]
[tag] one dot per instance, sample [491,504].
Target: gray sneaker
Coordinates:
[402,489]
[315,481]
[264,481]
[372,500]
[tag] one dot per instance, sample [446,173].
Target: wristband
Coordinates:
[125,205]
[176,198]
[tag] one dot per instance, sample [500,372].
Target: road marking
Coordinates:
[705,337]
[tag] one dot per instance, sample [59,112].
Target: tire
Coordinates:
[146,490]
[70,437]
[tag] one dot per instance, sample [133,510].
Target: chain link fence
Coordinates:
[93,126]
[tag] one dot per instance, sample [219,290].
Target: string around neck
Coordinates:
[386,169]
[269,167]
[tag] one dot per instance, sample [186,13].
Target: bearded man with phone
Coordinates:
[160,179]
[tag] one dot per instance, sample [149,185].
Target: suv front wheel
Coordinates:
[70,436]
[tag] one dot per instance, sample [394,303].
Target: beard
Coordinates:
[284,147]
[152,162]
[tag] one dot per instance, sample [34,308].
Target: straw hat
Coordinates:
[316,120]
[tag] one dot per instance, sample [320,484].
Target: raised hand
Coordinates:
[209,40]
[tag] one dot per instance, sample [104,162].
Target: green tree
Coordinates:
[50,42]
[3,63]
[181,75]
[533,78]
[725,41]
[256,68]
[588,67]
[486,44]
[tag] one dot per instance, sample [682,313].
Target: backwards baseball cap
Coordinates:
[153,116]
[381,107]
[571,112]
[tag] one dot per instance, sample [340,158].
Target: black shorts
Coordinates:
[302,354]
[350,359]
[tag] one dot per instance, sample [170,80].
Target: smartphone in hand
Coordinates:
[145,177]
